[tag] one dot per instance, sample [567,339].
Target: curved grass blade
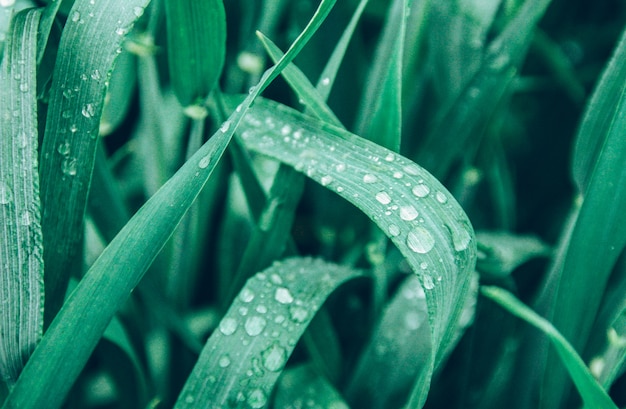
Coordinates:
[406,202]
[196,38]
[590,390]
[58,360]
[599,233]
[89,45]
[268,317]
[21,247]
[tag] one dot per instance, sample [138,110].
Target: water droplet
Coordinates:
[68,167]
[390,157]
[420,240]
[73,128]
[64,148]
[24,87]
[246,295]
[66,114]
[261,309]
[285,130]
[6,193]
[461,239]
[120,31]
[224,361]
[83,77]
[22,140]
[423,265]
[340,167]
[412,169]
[255,325]
[428,282]
[257,399]
[138,11]
[95,75]
[398,175]
[189,399]
[369,178]
[326,81]
[75,16]
[408,213]
[228,326]
[274,357]
[383,197]
[225,126]
[421,190]
[88,111]
[298,314]
[326,180]
[204,162]
[441,197]
[283,296]
[26,218]
[394,230]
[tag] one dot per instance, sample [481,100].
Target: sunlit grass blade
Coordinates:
[302,386]
[590,390]
[196,38]
[466,118]
[380,112]
[599,235]
[110,280]
[268,317]
[405,201]
[21,247]
[89,46]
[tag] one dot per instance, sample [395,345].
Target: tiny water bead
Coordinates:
[420,240]
[383,197]
[255,325]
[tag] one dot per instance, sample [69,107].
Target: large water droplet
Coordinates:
[6,193]
[441,197]
[421,190]
[75,16]
[428,282]
[204,162]
[274,357]
[88,110]
[326,180]
[228,326]
[369,178]
[394,230]
[408,213]
[283,296]
[255,325]
[383,197]
[246,295]
[460,239]
[257,399]
[420,240]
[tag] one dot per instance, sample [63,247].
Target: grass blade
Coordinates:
[89,46]
[109,282]
[268,317]
[196,38]
[21,247]
[406,202]
[302,386]
[590,390]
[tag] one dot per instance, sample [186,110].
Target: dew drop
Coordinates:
[189,399]
[421,190]
[394,230]
[224,361]
[428,282]
[68,167]
[73,128]
[326,180]
[274,357]
[408,213]
[120,31]
[64,148]
[24,87]
[383,197]
[95,75]
[283,296]
[261,309]
[390,157]
[88,111]
[26,218]
[204,162]
[75,16]
[255,325]
[66,114]
[298,314]
[285,130]
[369,178]
[83,77]
[257,399]
[6,193]
[225,126]
[326,81]
[138,11]
[246,295]
[228,326]
[461,239]
[340,167]
[398,175]
[420,240]
[412,169]
[441,197]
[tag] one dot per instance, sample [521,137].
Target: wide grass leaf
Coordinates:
[21,246]
[90,43]
[196,39]
[406,202]
[59,358]
[590,390]
[259,332]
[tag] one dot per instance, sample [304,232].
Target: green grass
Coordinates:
[214,204]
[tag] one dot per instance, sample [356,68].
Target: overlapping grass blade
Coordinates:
[267,318]
[406,202]
[302,386]
[196,38]
[499,253]
[590,390]
[89,45]
[467,117]
[21,247]
[599,235]
[110,280]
